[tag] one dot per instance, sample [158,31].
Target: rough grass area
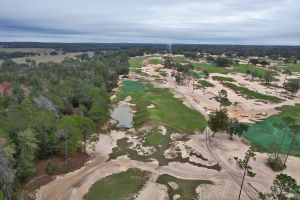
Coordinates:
[291,111]
[186,189]
[161,142]
[241,68]
[294,67]
[153,138]
[169,110]
[136,62]
[121,186]
[251,93]
[266,136]
[155,61]
[205,83]
[179,59]
[222,78]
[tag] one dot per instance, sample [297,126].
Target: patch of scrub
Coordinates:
[123,114]
[185,189]
[121,186]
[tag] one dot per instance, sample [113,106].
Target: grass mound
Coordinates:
[221,78]
[186,188]
[205,83]
[251,93]
[119,186]
[169,110]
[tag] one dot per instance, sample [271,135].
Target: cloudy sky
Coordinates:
[152,21]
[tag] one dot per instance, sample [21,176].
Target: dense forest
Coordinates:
[187,49]
[49,109]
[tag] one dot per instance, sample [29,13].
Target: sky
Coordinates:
[262,22]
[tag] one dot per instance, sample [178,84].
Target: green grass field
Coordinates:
[155,61]
[169,110]
[294,67]
[265,136]
[241,68]
[136,62]
[121,186]
[187,188]
[179,59]
[251,93]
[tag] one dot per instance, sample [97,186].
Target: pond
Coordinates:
[123,114]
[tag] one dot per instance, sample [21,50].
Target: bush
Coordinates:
[275,164]
[2,197]
[223,62]
[51,168]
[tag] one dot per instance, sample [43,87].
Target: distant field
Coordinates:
[251,93]
[169,110]
[121,186]
[294,67]
[155,61]
[136,62]
[241,68]
[266,136]
[44,55]
[33,50]
[48,58]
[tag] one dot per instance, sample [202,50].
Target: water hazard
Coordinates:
[123,114]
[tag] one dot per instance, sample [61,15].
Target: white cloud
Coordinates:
[189,21]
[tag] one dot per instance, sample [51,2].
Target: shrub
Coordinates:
[275,164]
[51,168]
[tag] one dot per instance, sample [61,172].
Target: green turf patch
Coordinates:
[290,111]
[169,110]
[222,78]
[156,138]
[155,61]
[251,93]
[265,136]
[121,186]
[186,188]
[136,62]
[205,83]
[241,68]
[211,68]
[294,67]
[179,59]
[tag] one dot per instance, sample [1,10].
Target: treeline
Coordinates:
[17,54]
[50,109]
[273,52]
[189,50]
